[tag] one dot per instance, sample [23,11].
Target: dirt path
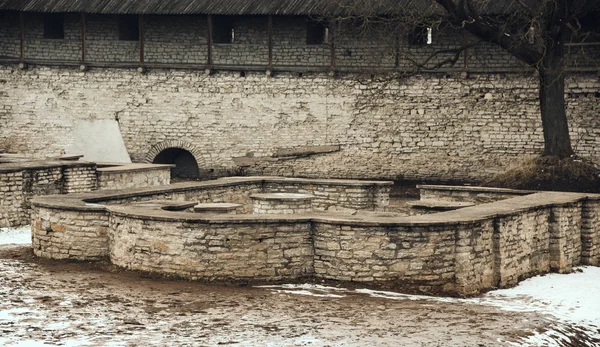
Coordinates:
[77,304]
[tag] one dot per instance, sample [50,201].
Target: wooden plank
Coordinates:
[22,36]
[83,35]
[332,41]
[141,39]
[270,34]
[209,40]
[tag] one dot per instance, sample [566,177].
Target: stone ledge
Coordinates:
[216,207]
[41,164]
[123,167]
[283,196]
[476,189]
[439,205]
[167,205]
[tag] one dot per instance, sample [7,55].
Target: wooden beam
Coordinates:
[466,50]
[209,40]
[22,36]
[83,35]
[332,42]
[397,51]
[270,34]
[141,38]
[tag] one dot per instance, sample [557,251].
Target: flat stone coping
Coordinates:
[477,189]
[168,205]
[295,180]
[440,205]
[17,166]
[125,167]
[216,206]
[70,157]
[91,202]
[85,201]
[463,216]
[282,196]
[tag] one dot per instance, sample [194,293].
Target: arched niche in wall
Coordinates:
[183,155]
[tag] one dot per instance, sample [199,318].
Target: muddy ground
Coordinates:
[83,304]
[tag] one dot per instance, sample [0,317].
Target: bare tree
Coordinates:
[536,32]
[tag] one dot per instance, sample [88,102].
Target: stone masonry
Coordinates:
[428,127]
[464,123]
[465,251]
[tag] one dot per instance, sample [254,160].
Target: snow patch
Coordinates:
[571,302]
[19,236]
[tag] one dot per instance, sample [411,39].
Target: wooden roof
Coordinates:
[243,7]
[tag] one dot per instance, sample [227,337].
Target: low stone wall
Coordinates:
[463,252]
[242,251]
[590,233]
[415,255]
[134,176]
[21,181]
[337,194]
[80,179]
[66,233]
[468,193]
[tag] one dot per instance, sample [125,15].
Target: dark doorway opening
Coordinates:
[186,165]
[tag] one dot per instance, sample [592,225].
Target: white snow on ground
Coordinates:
[572,301]
[15,235]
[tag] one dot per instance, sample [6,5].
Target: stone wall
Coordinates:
[332,196]
[424,127]
[468,193]
[590,233]
[12,199]
[123,178]
[19,184]
[24,179]
[465,251]
[70,234]
[245,251]
[419,256]
[79,179]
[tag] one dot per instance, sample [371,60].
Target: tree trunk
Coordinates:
[557,141]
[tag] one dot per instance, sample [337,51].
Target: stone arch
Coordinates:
[183,154]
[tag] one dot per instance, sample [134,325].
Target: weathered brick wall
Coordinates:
[79,179]
[521,246]
[10,46]
[103,44]
[330,196]
[19,185]
[465,251]
[565,245]
[133,179]
[475,256]
[468,194]
[417,256]
[427,127]
[183,39]
[12,199]
[180,39]
[590,233]
[37,47]
[279,205]
[70,234]
[244,251]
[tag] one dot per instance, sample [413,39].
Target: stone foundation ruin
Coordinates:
[22,178]
[341,232]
